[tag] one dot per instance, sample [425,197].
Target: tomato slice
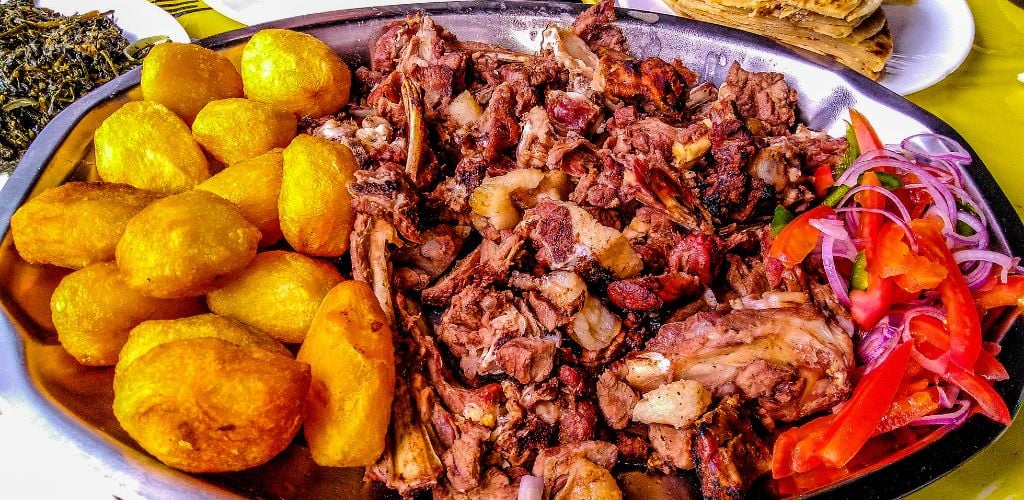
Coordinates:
[995,294]
[989,401]
[962,319]
[862,414]
[799,237]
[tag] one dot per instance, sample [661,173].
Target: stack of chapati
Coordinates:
[854,32]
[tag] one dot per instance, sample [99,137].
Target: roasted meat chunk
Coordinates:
[791,360]
[573,246]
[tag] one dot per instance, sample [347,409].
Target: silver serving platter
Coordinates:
[44,389]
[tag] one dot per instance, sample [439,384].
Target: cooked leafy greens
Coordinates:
[47,61]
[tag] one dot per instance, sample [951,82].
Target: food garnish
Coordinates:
[921,275]
[48,61]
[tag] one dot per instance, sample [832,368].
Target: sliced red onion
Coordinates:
[1005,262]
[878,189]
[962,194]
[891,216]
[939,192]
[875,345]
[977,240]
[828,263]
[947,394]
[830,226]
[937,366]
[924,310]
[940,208]
[531,488]
[955,418]
[978,276]
[936,146]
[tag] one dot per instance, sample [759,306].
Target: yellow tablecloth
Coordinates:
[985,103]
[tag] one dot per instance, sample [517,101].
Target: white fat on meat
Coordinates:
[678,404]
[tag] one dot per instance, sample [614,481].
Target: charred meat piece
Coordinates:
[594,27]
[420,265]
[487,263]
[499,126]
[575,156]
[423,51]
[527,359]
[387,193]
[731,193]
[728,454]
[616,398]
[528,80]
[652,83]
[790,359]
[601,184]
[477,404]
[572,111]
[569,238]
[478,325]
[652,292]
[765,97]
[462,462]
[816,149]
[657,186]
[578,470]
[673,448]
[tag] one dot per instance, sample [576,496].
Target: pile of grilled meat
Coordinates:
[572,247]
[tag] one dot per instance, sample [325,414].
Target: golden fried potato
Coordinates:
[150,334]
[144,144]
[185,245]
[278,293]
[76,224]
[296,72]
[185,77]
[349,350]
[315,211]
[233,130]
[93,310]
[208,405]
[254,186]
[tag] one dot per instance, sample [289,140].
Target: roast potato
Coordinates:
[144,144]
[150,334]
[93,310]
[349,350]
[185,245]
[278,293]
[254,186]
[232,130]
[76,224]
[185,77]
[208,405]
[315,211]
[296,72]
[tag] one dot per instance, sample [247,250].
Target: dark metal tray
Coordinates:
[47,389]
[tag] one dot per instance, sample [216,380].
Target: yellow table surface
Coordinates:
[984,101]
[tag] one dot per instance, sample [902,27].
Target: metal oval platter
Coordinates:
[44,388]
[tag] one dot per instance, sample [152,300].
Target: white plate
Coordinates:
[138,19]
[262,11]
[931,39]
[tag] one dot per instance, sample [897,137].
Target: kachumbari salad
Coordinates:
[905,247]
